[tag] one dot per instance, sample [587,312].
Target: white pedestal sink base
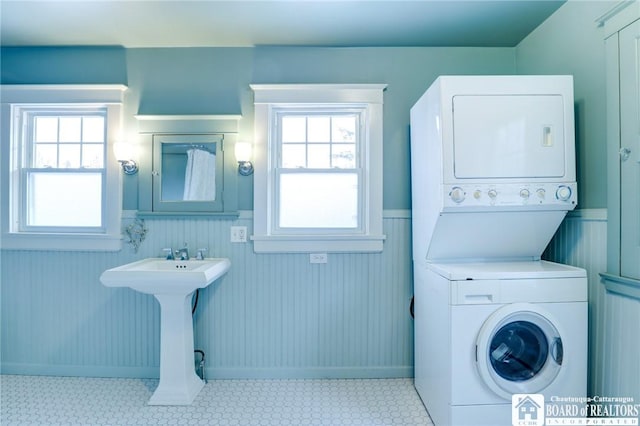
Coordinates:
[172,282]
[179,384]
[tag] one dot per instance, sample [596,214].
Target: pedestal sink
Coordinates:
[171,282]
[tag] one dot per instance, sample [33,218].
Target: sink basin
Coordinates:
[154,275]
[171,282]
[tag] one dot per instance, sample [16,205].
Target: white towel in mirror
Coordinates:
[200,176]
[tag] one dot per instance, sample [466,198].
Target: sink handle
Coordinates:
[200,254]
[169,253]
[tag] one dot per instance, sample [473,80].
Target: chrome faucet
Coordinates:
[183,253]
[179,254]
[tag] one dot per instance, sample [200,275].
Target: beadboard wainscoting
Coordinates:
[581,241]
[271,316]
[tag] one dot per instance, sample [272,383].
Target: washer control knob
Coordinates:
[457,194]
[563,193]
[492,194]
[477,194]
[541,193]
[524,193]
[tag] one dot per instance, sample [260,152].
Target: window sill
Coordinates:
[61,242]
[315,244]
[212,215]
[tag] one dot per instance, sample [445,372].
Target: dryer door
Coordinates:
[509,137]
[518,350]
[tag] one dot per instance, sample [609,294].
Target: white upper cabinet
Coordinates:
[622,28]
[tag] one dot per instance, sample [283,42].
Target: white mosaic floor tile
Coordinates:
[43,400]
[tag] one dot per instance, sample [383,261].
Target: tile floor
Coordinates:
[43,400]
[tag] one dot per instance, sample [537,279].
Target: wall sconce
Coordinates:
[123,153]
[243,157]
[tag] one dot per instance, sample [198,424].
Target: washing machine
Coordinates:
[493,329]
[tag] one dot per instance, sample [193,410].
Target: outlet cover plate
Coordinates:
[318,258]
[238,234]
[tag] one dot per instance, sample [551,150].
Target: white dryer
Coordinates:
[492,166]
[490,330]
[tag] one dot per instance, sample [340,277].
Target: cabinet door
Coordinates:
[630,151]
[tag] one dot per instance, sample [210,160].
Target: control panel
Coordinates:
[511,195]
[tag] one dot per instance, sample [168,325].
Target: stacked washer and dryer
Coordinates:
[493,176]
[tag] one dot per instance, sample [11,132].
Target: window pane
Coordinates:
[93,129]
[93,156]
[69,156]
[319,156]
[343,128]
[46,129]
[70,129]
[319,129]
[46,155]
[65,199]
[343,156]
[294,156]
[319,200]
[294,129]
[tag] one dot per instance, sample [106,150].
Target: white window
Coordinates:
[318,159]
[61,185]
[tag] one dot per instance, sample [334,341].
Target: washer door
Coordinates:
[518,350]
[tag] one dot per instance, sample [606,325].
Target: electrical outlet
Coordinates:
[238,234]
[318,258]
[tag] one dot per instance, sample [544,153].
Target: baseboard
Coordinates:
[79,371]
[211,373]
[310,373]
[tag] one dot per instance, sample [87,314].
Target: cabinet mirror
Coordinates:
[187,169]
[188,173]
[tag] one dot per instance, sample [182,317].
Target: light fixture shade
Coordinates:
[123,151]
[243,152]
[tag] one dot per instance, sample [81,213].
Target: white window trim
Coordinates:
[269,96]
[110,95]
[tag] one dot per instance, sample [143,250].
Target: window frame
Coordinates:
[330,99]
[25,162]
[278,112]
[18,102]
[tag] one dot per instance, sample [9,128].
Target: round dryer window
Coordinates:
[518,350]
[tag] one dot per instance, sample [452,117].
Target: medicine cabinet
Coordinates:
[191,170]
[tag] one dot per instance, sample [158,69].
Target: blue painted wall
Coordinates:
[63,65]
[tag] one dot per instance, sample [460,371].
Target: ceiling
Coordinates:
[241,23]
